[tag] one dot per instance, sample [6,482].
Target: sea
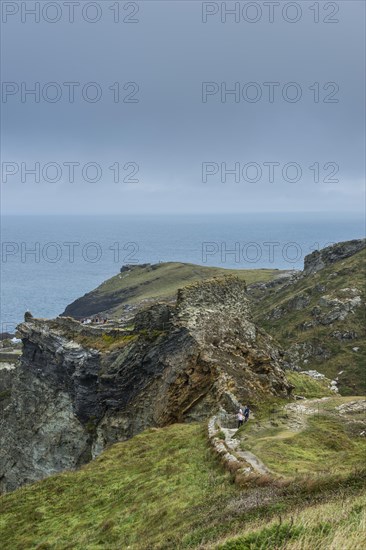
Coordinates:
[49,261]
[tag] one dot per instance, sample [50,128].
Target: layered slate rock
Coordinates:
[80,388]
[319,259]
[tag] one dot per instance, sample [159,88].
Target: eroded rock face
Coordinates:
[180,363]
[7,375]
[332,308]
[296,303]
[299,355]
[319,259]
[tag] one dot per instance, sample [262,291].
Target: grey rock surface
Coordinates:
[318,259]
[180,363]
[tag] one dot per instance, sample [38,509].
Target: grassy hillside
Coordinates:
[144,492]
[337,524]
[145,283]
[320,437]
[299,319]
[165,489]
[306,386]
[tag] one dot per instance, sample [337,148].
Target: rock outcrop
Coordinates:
[9,359]
[319,259]
[7,373]
[318,316]
[80,388]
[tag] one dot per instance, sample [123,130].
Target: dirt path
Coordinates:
[294,420]
[299,412]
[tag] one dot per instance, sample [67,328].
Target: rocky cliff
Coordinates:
[7,372]
[9,358]
[318,315]
[80,388]
[319,259]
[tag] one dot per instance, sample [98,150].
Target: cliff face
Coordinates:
[319,259]
[79,388]
[318,316]
[7,371]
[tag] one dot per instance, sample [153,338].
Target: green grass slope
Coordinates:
[319,437]
[306,386]
[165,489]
[336,525]
[145,283]
[297,325]
[140,494]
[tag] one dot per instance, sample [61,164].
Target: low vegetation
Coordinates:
[145,493]
[165,279]
[165,489]
[145,284]
[310,438]
[336,357]
[322,448]
[306,386]
[105,342]
[337,524]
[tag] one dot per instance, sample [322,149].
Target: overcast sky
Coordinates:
[173,140]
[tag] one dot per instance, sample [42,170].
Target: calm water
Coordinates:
[47,262]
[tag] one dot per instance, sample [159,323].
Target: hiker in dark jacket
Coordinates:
[246,413]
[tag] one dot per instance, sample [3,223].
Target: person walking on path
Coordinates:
[246,413]
[240,418]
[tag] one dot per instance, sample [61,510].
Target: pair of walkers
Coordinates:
[243,416]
